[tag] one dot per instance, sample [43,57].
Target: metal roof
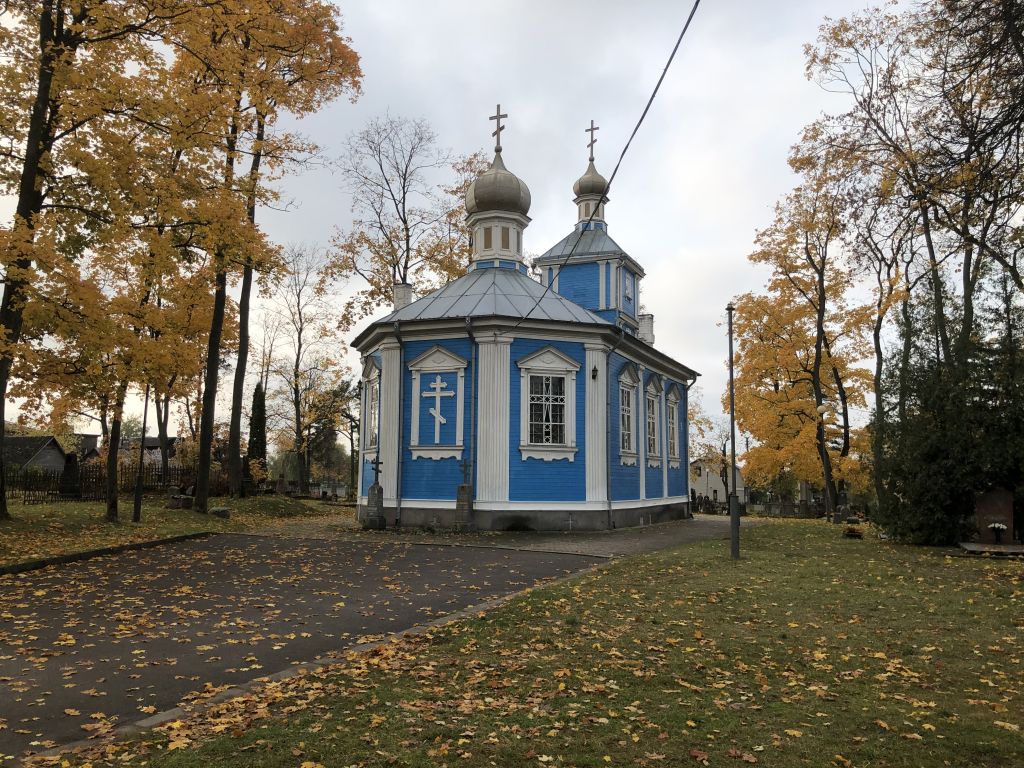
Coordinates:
[593,242]
[494,292]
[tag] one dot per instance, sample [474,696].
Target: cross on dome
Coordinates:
[593,139]
[497,117]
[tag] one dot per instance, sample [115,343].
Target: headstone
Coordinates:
[281,485]
[992,510]
[222,512]
[173,501]
[375,508]
[464,508]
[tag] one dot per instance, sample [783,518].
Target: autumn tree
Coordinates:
[409,222]
[306,367]
[799,344]
[65,68]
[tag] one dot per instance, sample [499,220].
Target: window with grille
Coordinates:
[547,410]
[652,426]
[626,420]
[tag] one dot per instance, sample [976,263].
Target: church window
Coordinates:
[547,410]
[372,412]
[672,426]
[586,210]
[652,426]
[629,385]
[673,447]
[654,394]
[488,243]
[505,239]
[519,241]
[547,406]
[626,419]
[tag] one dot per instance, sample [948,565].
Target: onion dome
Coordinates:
[590,183]
[498,189]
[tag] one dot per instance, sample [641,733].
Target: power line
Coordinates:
[622,155]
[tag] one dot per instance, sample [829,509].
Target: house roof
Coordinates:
[19,450]
[492,292]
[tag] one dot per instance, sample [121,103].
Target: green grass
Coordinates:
[813,650]
[46,530]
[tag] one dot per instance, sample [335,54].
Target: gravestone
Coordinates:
[994,507]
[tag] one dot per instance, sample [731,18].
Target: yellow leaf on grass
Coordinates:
[883,725]
[794,733]
[72,712]
[1007,726]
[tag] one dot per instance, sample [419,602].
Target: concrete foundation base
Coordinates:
[533,520]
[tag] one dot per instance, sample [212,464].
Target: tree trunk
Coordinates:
[237,394]
[162,403]
[38,143]
[206,418]
[114,453]
[137,501]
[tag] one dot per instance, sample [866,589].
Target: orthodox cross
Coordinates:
[436,387]
[466,465]
[375,463]
[497,117]
[593,139]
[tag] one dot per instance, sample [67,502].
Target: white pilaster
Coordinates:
[600,285]
[390,387]
[596,423]
[492,427]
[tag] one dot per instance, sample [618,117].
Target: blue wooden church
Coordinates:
[503,402]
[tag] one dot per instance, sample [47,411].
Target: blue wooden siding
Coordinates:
[434,478]
[535,479]
[579,283]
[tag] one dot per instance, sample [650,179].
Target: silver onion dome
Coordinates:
[498,189]
[591,183]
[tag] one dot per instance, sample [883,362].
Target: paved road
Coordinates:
[621,542]
[114,638]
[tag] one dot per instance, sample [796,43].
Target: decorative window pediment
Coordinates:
[547,406]
[438,404]
[438,359]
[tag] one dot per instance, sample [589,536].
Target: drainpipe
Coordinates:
[608,423]
[401,421]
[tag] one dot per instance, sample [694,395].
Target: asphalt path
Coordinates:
[108,641]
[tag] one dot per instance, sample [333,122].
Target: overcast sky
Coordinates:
[700,178]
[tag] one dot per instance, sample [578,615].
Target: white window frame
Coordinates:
[437,360]
[629,380]
[369,439]
[653,391]
[672,427]
[547,362]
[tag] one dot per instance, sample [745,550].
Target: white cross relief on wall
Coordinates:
[437,392]
[435,368]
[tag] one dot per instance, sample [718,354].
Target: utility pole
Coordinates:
[734,505]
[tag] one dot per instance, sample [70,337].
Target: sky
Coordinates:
[701,176]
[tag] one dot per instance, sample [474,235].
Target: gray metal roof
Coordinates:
[494,292]
[593,242]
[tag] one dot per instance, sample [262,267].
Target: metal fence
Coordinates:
[89,482]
